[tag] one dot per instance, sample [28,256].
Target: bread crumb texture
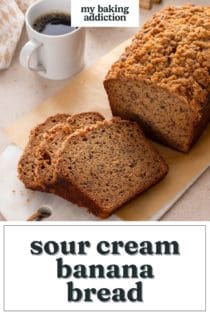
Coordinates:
[173,51]
[27,163]
[109,163]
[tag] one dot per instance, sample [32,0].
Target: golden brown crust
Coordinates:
[46,153]
[26,165]
[47,150]
[172,50]
[166,69]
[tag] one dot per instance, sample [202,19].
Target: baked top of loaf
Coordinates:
[26,165]
[109,164]
[171,50]
[52,142]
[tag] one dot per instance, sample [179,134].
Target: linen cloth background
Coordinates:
[11,26]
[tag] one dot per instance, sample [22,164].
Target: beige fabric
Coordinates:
[24,4]
[11,24]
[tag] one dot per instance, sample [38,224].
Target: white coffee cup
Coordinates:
[53,57]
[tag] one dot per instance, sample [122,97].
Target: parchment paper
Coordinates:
[85,93]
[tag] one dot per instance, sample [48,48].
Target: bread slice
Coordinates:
[104,166]
[162,80]
[27,163]
[47,151]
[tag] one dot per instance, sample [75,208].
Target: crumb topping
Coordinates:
[173,51]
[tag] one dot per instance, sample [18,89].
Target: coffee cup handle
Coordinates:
[26,54]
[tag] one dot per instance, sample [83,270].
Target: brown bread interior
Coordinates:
[108,165]
[27,163]
[47,151]
[163,115]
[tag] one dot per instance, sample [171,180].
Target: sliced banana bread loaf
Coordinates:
[47,151]
[163,79]
[27,163]
[106,165]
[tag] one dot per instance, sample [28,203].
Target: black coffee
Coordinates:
[54,24]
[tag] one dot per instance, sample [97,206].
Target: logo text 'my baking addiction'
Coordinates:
[113,272]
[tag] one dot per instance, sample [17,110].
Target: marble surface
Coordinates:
[22,90]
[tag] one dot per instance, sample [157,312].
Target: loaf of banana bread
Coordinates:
[163,78]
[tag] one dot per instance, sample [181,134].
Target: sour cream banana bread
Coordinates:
[107,164]
[163,79]
[47,151]
[35,168]
[27,163]
[96,163]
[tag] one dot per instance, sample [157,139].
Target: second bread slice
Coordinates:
[108,164]
[53,140]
